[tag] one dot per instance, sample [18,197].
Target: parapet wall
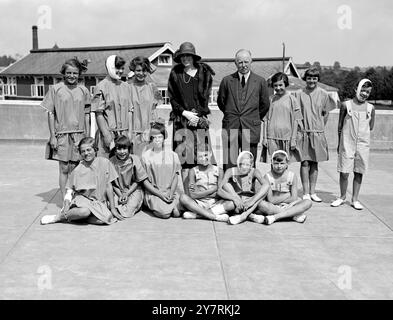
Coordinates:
[26,120]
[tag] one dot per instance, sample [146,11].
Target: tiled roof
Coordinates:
[49,61]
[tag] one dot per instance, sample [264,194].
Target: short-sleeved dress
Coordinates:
[129,171]
[161,167]
[354,148]
[69,107]
[144,99]
[244,185]
[203,181]
[113,99]
[312,142]
[89,184]
[281,121]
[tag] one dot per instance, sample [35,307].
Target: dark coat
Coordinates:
[256,106]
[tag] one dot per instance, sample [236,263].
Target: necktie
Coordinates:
[243,81]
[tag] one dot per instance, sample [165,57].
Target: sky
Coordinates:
[352,32]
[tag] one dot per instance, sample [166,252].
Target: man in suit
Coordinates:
[244,99]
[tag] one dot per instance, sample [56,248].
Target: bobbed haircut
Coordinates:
[74,62]
[141,61]
[122,142]
[280,157]
[119,62]
[312,72]
[278,77]
[88,140]
[157,128]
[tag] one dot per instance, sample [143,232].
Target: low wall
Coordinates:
[26,120]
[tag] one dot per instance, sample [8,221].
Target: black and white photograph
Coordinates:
[196,154]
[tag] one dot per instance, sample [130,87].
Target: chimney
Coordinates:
[35,38]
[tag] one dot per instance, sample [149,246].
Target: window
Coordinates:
[164,94]
[92,88]
[10,87]
[38,88]
[165,59]
[213,96]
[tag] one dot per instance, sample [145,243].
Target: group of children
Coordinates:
[111,183]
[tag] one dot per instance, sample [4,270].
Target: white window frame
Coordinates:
[163,63]
[211,97]
[165,97]
[10,87]
[38,88]
[91,89]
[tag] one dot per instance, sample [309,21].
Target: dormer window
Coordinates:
[165,59]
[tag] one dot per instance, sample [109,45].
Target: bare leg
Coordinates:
[290,212]
[305,176]
[343,185]
[72,215]
[357,182]
[191,205]
[94,220]
[184,177]
[313,176]
[63,175]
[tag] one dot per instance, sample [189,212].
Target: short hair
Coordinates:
[367,84]
[119,62]
[278,77]
[158,127]
[88,140]
[280,156]
[141,61]
[122,142]
[312,72]
[243,50]
[248,155]
[74,62]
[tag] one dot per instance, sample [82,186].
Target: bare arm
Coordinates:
[225,190]
[87,124]
[343,112]
[198,194]
[372,120]
[51,124]
[262,191]
[103,127]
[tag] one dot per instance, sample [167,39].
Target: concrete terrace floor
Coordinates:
[339,253]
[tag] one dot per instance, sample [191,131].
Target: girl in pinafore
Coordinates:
[89,190]
[128,186]
[68,106]
[238,187]
[315,104]
[112,106]
[282,120]
[356,120]
[145,97]
[163,186]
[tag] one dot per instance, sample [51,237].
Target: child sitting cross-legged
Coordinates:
[203,184]
[282,200]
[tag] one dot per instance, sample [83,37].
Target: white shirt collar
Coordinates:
[246,76]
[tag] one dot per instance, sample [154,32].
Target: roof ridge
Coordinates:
[253,59]
[101,48]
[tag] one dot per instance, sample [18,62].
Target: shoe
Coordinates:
[300,218]
[222,217]
[234,219]
[315,198]
[306,197]
[189,215]
[256,218]
[357,205]
[338,202]
[48,219]
[269,220]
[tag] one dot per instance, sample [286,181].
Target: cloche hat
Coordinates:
[186,48]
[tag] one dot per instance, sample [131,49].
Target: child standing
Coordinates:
[282,120]
[145,97]
[315,104]
[112,106]
[88,190]
[354,125]
[68,106]
[127,187]
[163,186]
[203,184]
[238,187]
[282,200]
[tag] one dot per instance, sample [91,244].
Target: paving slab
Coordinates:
[338,253]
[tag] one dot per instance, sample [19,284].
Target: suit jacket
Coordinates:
[256,105]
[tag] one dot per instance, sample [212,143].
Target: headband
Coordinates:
[110,67]
[280,152]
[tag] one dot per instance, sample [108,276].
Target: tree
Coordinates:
[349,85]
[317,65]
[307,64]
[6,60]
[336,66]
